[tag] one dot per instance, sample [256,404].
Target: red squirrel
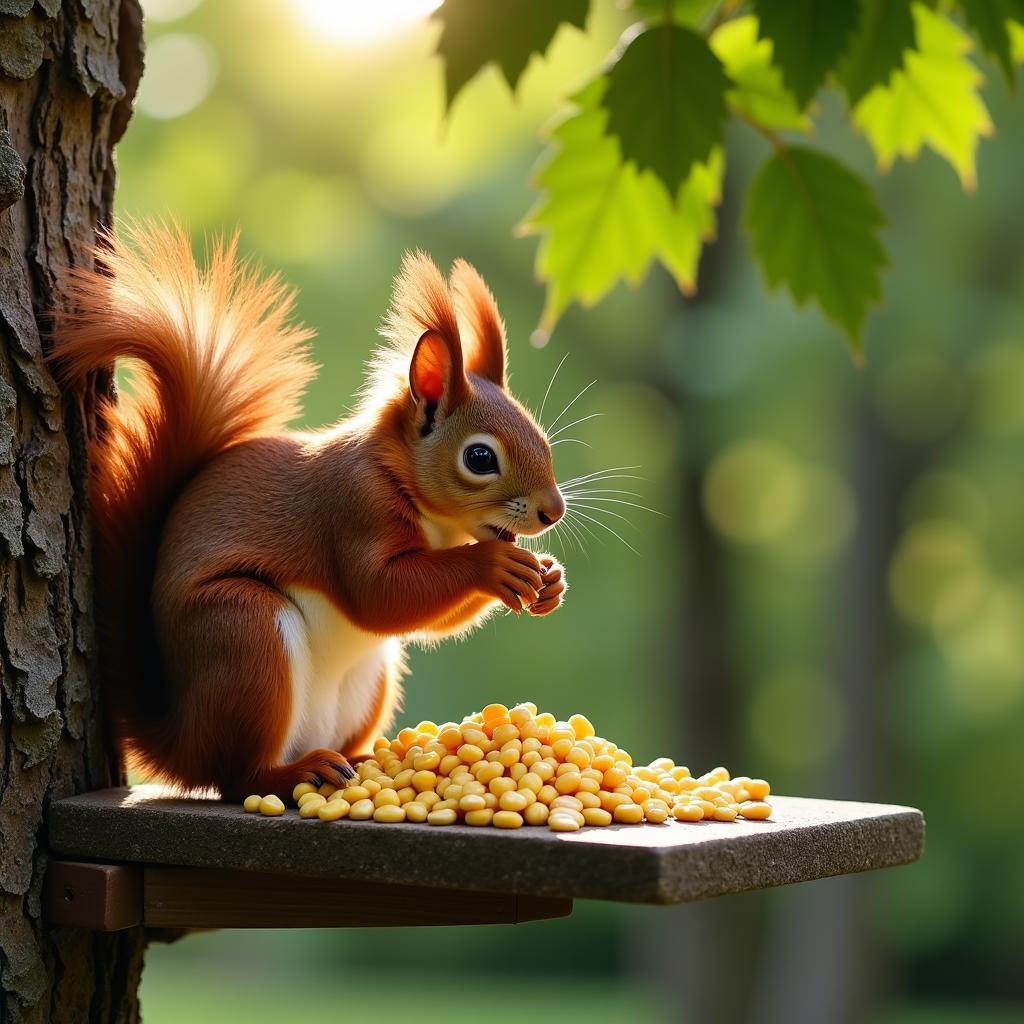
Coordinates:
[255,584]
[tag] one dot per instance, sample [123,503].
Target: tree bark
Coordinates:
[68,74]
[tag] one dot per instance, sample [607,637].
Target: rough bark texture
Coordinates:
[68,73]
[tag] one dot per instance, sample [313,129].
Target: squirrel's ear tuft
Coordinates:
[479,312]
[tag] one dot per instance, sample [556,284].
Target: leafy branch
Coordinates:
[634,170]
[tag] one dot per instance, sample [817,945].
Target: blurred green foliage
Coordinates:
[854,537]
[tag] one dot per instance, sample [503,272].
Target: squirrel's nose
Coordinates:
[552,510]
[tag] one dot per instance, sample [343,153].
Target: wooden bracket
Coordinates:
[108,897]
[101,897]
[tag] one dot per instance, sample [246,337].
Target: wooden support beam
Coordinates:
[197,898]
[109,897]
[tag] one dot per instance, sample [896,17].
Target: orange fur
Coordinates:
[240,564]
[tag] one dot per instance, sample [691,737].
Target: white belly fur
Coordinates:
[336,671]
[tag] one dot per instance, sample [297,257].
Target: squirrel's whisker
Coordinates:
[551,383]
[569,405]
[579,526]
[574,440]
[587,477]
[607,511]
[565,426]
[605,526]
[617,501]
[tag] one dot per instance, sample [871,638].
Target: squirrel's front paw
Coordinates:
[552,592]
[511,574]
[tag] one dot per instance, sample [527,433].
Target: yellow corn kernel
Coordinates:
[707,793]
[428,799]
[758,789]
[252,803]
[302,789]
[504,734]
[403,778]
[490,801]
[517,771]
[480,817]
[755,810]
[491,770]
[452,792]
[609,801]
[311,805]
[581,726]
[509,755]
[655,812]
[536,814]
[448,763]
[596,816]
[389,814]
[529,730]
[472,802]
[628,814]
[473,787]
[588,799]
[580,756]
[416,812]
[387,798]
[544,718]
[520,715]
[543,771]
[546,794]
[423,780]
[450,736]
[406,795]
[566,802]
[354,793]
[373,786]
[680,772]
[688,812]
[589,786]
[507,819]
[532,781]
[727,813]
[333,810]
[613,777]
[602,763]
[688,785]
[445,816]
[310,796]
[502,785]
[271,806]
[528,795]
[426,762]
[568,783]
[645,774]
[663,764]
[470,752]
[560,748]
[512,801]
[563,821]
[361,810]
[380,743]
[445,805]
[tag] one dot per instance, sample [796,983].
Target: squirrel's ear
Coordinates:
[476,307]
[436,377]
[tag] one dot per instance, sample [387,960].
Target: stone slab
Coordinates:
[671,863]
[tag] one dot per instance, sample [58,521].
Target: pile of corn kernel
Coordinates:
[513,767]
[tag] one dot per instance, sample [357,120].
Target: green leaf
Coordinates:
[814,226]
[810,36]
[507,32]
[886,32]
[757,92]
[933,101]
[666,102]
[988,18]
[602,220]
[684,12]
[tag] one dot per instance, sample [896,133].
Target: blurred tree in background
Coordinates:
[834,595]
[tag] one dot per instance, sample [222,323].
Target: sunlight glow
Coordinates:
[362,22]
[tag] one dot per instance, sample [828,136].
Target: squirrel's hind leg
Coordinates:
[226,659]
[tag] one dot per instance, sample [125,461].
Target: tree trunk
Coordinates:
[68,74]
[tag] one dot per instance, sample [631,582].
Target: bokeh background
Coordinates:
[832,596]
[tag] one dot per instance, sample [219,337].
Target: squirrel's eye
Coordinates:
[480,459]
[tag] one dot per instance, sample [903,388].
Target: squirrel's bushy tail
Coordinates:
[215,363]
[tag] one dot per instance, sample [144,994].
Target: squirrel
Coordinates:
[255,584]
